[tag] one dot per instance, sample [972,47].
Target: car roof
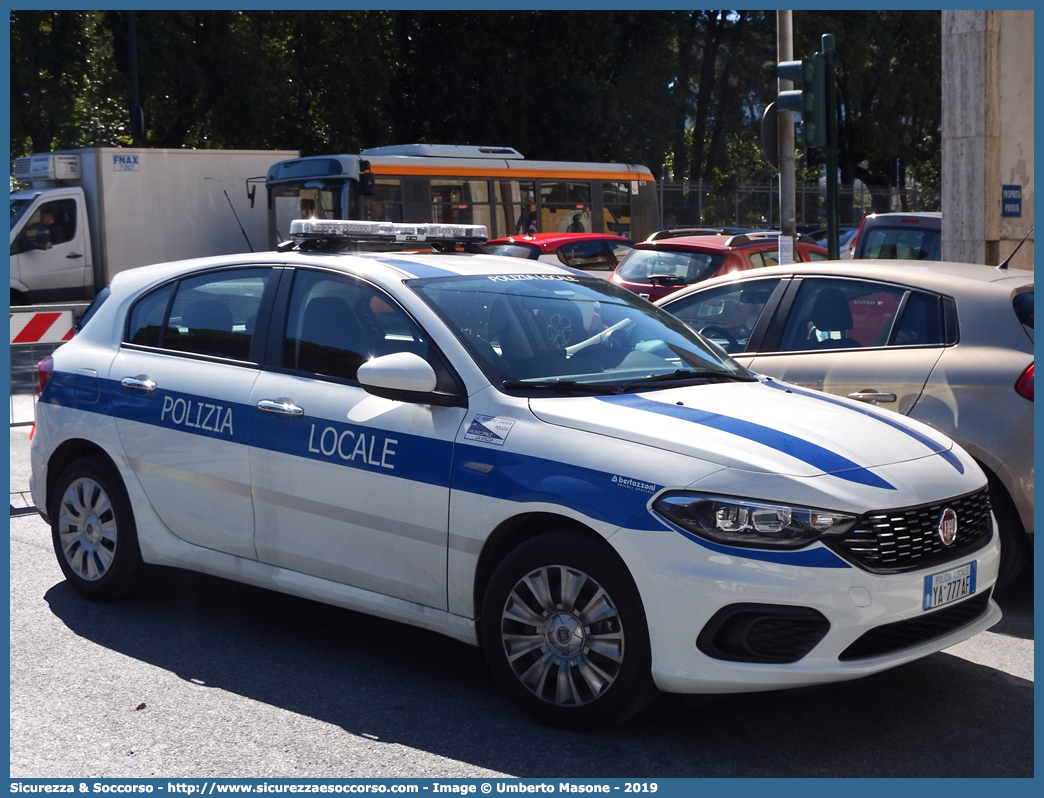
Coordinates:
[932,219]
[386,267]
[940,276]
[714,243]
[552,241]
[919,214]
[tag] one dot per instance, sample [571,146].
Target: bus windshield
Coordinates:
[309,199]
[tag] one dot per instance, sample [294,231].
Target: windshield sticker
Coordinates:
[510,278]
[489,429]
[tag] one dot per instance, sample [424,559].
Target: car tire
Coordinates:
[564,631]
[93,531]
[1015,547]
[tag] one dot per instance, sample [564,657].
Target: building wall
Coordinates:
[987,134]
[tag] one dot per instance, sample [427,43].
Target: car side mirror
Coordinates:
[404,377]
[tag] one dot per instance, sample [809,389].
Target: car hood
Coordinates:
[767,427]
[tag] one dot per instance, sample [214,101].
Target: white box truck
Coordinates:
[94,212]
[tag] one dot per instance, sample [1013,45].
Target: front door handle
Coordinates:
[873,397]
[74,255]
[283,406]
[140,383]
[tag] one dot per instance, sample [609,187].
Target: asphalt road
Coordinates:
[198,677]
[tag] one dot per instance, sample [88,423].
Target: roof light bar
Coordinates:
[348,230]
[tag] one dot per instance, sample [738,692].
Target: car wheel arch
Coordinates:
[1015,544]
[67,453]
[513,532]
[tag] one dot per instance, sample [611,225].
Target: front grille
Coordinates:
[903,540]
[904,634]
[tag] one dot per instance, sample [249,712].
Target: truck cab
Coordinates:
[50,246]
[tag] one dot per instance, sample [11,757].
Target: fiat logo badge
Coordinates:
[947,528]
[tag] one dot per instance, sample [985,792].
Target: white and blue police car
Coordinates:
[511,453]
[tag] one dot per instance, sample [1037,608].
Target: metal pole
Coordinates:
[785,121]
[833,228]
[136,117]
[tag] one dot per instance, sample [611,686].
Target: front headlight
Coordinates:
[747,523]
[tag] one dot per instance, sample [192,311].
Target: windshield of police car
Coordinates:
[555,330]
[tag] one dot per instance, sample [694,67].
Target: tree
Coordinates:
[49,77]
[889,89]
[652,87]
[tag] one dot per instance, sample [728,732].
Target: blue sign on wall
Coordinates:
[1011,200]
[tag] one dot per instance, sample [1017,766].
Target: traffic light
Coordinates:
[809,100]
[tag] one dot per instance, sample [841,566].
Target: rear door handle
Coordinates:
[140,383]
[873,397]
[282,406]
[74,255]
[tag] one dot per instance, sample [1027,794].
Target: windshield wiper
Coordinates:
[685,376]
[562,386]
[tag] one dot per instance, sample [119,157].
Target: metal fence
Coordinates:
[703,204]
[36,331]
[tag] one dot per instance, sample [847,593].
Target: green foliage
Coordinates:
[889,88]
[684,89]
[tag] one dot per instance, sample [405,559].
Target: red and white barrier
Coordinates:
[41,327]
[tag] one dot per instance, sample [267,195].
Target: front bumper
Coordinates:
[832,623]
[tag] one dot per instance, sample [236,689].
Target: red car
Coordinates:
[656,268]
[589,251]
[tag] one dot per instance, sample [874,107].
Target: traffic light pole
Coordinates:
[833,228]
[785,121]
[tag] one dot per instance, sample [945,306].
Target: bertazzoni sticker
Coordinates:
[489,429]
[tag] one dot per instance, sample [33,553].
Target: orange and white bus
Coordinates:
[493,186]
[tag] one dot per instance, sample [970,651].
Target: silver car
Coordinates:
[948,344]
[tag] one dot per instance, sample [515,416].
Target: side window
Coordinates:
[566,207]
[726,315]
[335,324]
[619,251]
[922,322]
[211,314]
[459,201]
[385,204]
[57,218]
[515,207]
[616,208]
[148,318]
[840,314]
[769,257]
[585,255]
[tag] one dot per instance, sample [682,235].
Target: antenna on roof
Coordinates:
[1004,263]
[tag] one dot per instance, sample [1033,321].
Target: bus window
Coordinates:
[516,207]
[309,200]
[385,204]
[616,208]
[565,207]
[455,201]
